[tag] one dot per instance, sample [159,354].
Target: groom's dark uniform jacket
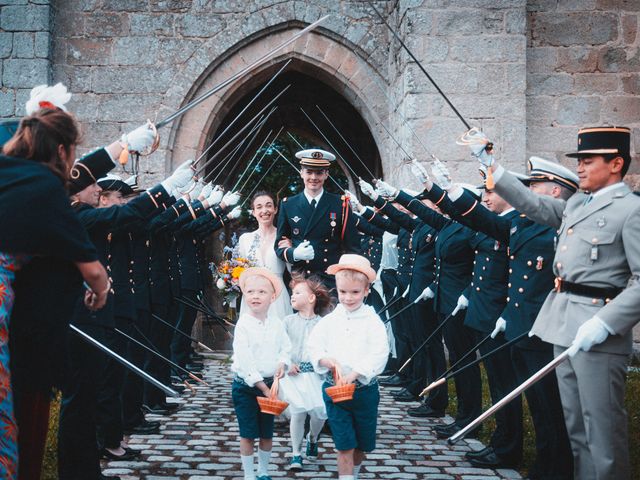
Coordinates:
[330,228]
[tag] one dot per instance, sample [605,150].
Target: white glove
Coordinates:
[463,302]
[231,198]
[368,190]
[426,294]
[386,190]
[206,191]
[419,171]
[355,203]
[195,193]
[215,197]
[441,174]
[304,251]
[592,332]
[188,188]
[501,326]
[235,213]
[477,142]
[179,178]
[139,139]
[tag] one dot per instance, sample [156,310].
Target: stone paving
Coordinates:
[200,441]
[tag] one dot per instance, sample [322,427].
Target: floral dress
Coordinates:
[9,264]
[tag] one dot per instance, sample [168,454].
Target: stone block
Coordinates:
[130,79]
[631,84]
[25,73]
[30,18]
[629,28]
[22,95]
[516,77]
[200,25]
[574,28]
[450,78]
[596,83]
[551,139]
[619,60]
[549,84]
[7,102]
[6,44]
[101,25]
[13,2]
[487,49]
[173,6]
[23,45]
[541,59]
[576,5]
[77,79]
[541,110]
[464,22]
[578,110]
[136,51]
[125,5]
[621,110]
[89,51]
[515,21]
[42,45]
[618,5]
[577,59]
[146,24]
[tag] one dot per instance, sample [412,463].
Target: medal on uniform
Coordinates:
[496,245]
[296,231]
[296,219]
[333,217]
[539,263]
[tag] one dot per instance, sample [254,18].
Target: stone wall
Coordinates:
[25,51]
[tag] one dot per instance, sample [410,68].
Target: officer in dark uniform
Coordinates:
[319,224]
[531,249]
[78,451]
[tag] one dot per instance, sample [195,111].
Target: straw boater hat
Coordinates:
[351,261]
[261,272]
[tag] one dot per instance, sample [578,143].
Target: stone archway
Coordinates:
[321,54]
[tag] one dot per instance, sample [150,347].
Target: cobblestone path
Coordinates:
[200,441]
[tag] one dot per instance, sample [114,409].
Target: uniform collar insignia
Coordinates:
[513,230]
[296,219]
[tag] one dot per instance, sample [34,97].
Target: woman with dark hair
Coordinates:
[34,167]
[257,246]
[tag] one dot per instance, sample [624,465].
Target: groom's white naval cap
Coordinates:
[315,158]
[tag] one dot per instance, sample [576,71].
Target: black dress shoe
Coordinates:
[144,428]
[491,460]
[401,391]
[172,407]
[109,477]
[388,373]
[127,455]
[425,411]
[478,453]
[405,396]
[394,381]
[446,431]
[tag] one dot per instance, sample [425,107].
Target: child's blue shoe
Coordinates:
[295,463]
[263,477]
[312,448]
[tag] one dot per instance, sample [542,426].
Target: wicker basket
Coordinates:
[340,392]
[272,405]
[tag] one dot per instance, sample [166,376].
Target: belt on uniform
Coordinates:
[606,294]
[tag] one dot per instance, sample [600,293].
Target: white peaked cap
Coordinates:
[44,96]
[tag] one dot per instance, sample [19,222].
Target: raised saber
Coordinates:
[548,368]
[198,342]
[138,371]
[241,73]
[253,158]
[402,310]
[455,110]
[448,374]
[246,107]
[264,153]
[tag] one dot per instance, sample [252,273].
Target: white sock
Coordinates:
[346,477]
[247,467]
[263,462]
[315,427]
[296,429]
[356,471]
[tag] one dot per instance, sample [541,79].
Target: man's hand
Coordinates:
[139,139]
[206,191]
[441,174]
[235,213]
[304,251]
[501,326]
[230,199]
[463,303]
[214,197]
[426,294]
[179,178]
[419,171]
[592,332]
[477,142]
[386,190]
[355,204]
[368,190]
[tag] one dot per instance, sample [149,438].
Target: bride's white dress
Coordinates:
[261,254]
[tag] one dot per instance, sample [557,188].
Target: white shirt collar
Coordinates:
[606,189]
[309,197]
[508,210]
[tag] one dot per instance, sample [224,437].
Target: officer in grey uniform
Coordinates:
[596,299]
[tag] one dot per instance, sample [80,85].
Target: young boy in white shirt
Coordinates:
[353,339]
[261,350]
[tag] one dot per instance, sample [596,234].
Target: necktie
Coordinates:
[313,204]
[587,200]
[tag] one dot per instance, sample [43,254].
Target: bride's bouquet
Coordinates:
[227,273]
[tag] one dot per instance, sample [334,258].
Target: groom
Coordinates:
[318,223]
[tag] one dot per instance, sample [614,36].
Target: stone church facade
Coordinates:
[528,72]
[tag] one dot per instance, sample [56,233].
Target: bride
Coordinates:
[257,246]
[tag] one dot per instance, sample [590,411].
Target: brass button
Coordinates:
[511,270]
[558,265]
[570,231]
[594,300]
[525,277]
[594,240]
[529,263]
[512,257]
[521,290]
[508,299]
[477,289]
[509,285]
[516,305]
[480,277]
